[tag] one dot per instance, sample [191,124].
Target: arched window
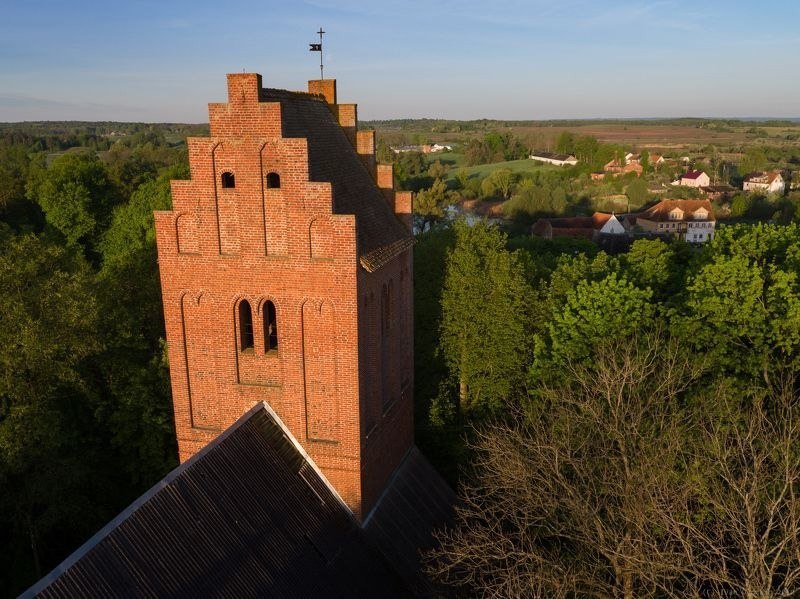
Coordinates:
[273,181]
[270,327]
[245,326]
[228,180]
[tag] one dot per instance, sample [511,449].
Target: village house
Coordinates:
[654,160]
[614,167]
[556,159]
[589,227]
[769,182]
[689,220]
[424,148]
[693,179]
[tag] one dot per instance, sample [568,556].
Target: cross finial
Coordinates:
[318,48]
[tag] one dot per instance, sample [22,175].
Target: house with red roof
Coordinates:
[689,220]
[590,227]
[693,179]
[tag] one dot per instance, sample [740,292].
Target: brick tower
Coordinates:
[286,277]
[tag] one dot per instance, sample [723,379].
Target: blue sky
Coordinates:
[512,59]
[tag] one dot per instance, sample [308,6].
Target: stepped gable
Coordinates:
[251,515]
[331,158]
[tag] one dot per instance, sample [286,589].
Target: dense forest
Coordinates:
[617,425]
[630,423]
[85,414]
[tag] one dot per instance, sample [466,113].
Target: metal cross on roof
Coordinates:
[318,48]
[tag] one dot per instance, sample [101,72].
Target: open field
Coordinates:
[518,167]
[665,136]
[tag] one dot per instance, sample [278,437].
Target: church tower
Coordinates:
[286,277]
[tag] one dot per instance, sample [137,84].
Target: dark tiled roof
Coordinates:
[250,515]
[332,158]
[416,502]
[692,175]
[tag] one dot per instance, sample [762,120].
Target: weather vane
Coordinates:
[318,48]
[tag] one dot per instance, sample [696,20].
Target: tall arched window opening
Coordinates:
[245,326]
[273,181]
[270,327]
[228,180]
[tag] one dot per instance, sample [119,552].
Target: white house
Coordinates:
[770,182]
[557,159]
[693,179]
[690,220]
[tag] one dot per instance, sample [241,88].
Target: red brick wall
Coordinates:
[219,246]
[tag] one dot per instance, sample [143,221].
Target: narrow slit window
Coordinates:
[270,327]
[273,181]
[245,325]
[228,180]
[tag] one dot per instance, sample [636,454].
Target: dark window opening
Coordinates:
[245,325]
[273,181]
[270,327]
[228,180]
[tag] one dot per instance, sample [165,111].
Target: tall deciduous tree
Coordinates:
[562,503]
[77,197]
[136,402]
[611,308]
[484,312]
[430,204]
[48,314]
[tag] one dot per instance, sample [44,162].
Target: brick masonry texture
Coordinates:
[312,225]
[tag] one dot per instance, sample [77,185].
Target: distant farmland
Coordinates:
[666,135]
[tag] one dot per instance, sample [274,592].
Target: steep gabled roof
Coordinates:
[761,177]
[692,175]
[251,515]
[331,158]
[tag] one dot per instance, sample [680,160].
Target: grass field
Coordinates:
[456,162]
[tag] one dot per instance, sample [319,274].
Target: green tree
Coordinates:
[644,160]
[586,148]
[609,309]
[13,172]
[49,329]
[430,204]
[755,159]
[498,182]
[565,144]
[637,192]
[77,197]
[650,264]
[136,402]
[744,310]
[437,170]
[483,331]
[383,153]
